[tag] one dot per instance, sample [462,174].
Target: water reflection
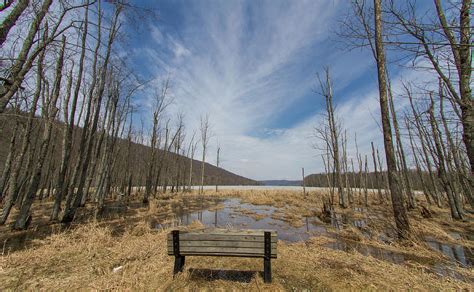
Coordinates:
[455,252]
[255,217]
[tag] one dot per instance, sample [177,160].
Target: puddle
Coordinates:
[455,252]
[339,220]
[254,217]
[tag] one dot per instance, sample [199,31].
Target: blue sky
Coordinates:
[252,65]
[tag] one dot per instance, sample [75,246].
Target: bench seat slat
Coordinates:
[240,255]
[239,252]
[258,232]
[220,237]
[220,249]
[215,243]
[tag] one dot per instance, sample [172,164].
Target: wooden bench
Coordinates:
[224,242]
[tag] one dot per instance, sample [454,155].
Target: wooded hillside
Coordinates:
[139,157]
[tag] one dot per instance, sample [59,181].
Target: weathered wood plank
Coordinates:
[227,255]
[220,249]
[220,237]
[215,243]
[252,255]
[229,231]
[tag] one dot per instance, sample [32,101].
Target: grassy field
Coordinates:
[123,252]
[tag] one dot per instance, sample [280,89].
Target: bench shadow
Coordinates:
[228,275]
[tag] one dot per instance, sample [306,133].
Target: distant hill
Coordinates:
[138,162]
[280,182]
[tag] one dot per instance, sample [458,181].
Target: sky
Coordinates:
[252,67]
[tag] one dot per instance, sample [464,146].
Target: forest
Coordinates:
[92,181]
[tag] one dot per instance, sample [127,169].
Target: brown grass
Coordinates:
[85,256]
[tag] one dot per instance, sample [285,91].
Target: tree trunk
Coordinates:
[62,183]
[401,218]
[417,163]
[454,204]
[401,151]
[26,143]
[11,19]
[21,66]
[378,179]
[454,154]
[24,215]
[8,162]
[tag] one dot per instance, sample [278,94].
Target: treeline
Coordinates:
[358,180]
[427,128]
[67,114]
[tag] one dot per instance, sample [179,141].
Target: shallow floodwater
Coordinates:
[231,216]
[455,252]
[232,213]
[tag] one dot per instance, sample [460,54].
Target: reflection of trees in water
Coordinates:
[215,218]
[454,252]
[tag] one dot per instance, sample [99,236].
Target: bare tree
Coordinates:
[453,199]
[332,138]
[49,113]
[62,183]
[95,97]
[192,148]
[442,43]
[401,151]
[303,181]
[217,163]
[26,57]
[401,218]
[205,136]
[417,161]
[12,18]
[13,190]
[161,103]
[433,190]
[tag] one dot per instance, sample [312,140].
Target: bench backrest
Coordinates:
[222,242]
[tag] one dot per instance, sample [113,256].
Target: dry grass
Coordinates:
[86,257]
[93,256]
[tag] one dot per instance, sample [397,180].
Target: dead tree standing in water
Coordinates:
[205,136]
[404,168]
[457,51]
[401,218]
[334,133]
[161,103]
[453,198]
[192,149]
[217,164]
[378,175]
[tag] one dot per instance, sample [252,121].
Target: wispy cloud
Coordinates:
[246,63]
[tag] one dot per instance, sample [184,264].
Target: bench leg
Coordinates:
[267,270]
[178,264]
